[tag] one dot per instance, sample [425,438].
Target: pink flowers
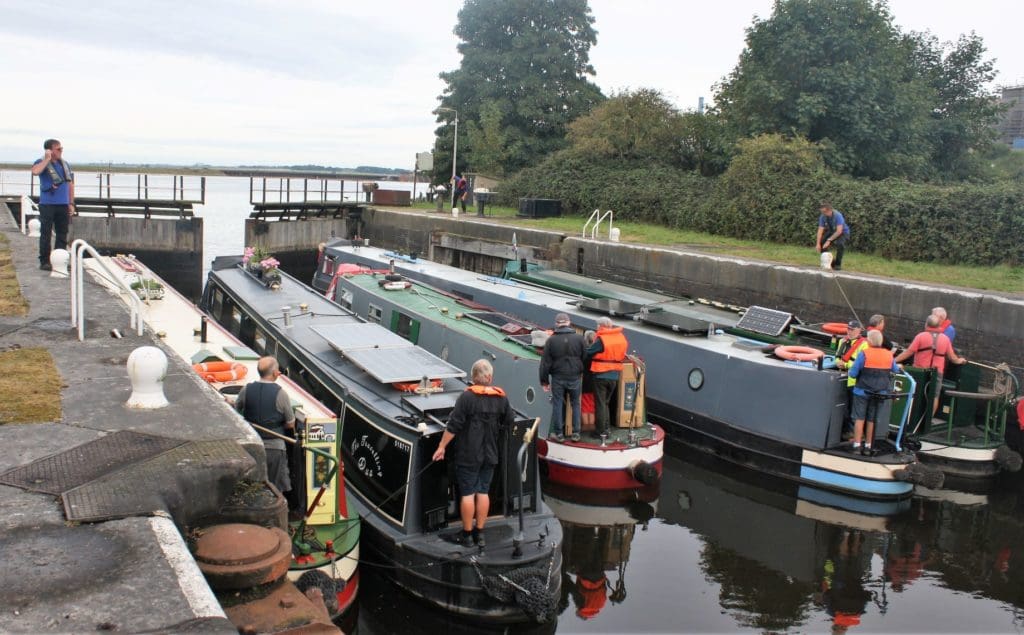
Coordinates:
[269,263]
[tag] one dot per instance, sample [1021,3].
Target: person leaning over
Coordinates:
[832,232]
[930,349]
[56,199]
[607,354]
[873,371]
[266,404]
[561,372]
[479,413]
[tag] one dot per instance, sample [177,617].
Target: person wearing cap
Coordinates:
[849,347]
[561,372]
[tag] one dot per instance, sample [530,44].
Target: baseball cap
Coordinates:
[854,324]
[562,320]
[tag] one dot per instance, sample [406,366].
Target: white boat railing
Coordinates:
[596,217]
[78,296]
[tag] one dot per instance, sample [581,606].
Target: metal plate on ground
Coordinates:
[759,319]
[391,365]
[66,470]
[610,306]
[347,337]
[147,486]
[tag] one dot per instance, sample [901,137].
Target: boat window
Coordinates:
[328,265]
[531,394]
[695,379]
[282,356]
[260,341]
[405,326]
[246,329]
[236,320]
[346,299]
[375,313]
[218,304]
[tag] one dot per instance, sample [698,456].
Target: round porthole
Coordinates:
[530,395]
[695,379]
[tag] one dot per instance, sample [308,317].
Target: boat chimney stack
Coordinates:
[202,329]
[391,266]
[286,313]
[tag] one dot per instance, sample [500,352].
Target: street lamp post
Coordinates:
[455,149]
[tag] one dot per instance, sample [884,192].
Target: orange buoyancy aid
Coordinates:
[594,596]
[849,353]
[492,391]
[876,375]
[614,353]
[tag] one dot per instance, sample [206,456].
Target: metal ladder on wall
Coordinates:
[78,249]
[594,223]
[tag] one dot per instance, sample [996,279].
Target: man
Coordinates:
[264,403]
[944,323]
[561,372]
[930,349]
[461,187]
[479,413]
[873,371]
[832,232]
[877,323]
[847,351]
[56,199]
[607,354]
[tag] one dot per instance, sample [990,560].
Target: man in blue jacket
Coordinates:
[56,199]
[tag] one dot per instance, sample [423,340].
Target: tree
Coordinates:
[841,74]
[631,125]
[528,60]
[489,141]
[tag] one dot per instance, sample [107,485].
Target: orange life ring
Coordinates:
[218,372]
[411,386]
[835,328]
[798,353]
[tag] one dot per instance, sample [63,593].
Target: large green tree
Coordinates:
[523,78]
[841,74]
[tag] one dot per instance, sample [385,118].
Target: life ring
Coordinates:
[219,372]
[835,328]
[798,353]
[414,386]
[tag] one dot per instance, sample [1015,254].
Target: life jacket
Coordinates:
[934,348]
[594,596]
[854,345]
[614,353]
[261,407]
[492,391]
[876,375]
[55,177]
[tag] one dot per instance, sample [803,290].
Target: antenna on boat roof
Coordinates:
[852,310]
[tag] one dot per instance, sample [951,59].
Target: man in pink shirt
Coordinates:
[930,349]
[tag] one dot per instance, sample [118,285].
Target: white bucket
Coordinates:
[613,234]
[826,260]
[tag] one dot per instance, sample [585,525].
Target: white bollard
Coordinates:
[33,228]
[147,368]
[614,234]
[59,259]
[826,260]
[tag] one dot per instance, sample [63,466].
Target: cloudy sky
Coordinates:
[338,82]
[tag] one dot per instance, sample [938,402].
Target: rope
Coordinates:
[852,310]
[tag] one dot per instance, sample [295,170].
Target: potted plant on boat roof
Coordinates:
[263,266]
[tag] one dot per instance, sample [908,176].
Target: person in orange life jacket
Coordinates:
[592,587]
[877,323]
[606,354]
[479,413]
[264,403]
[561,372]
[873,371]
[56,199]
[930,349]
[944,323]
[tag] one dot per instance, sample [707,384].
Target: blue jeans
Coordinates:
[560,387]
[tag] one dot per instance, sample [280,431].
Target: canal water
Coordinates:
[721,549]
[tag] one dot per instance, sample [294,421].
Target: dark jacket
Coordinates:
[563,355]
[476,422]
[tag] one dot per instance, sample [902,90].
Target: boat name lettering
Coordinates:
[403,446]
[366,454]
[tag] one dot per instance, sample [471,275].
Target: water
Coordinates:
[724,550]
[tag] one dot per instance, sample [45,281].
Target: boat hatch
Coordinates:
[438,404]
[524,340]
[500,321]
[759,319]
[675,322]
[387,357]
[609,306]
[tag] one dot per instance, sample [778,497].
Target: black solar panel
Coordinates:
[610,306]
[759,319]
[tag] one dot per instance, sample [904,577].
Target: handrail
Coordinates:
[589,220]
[610,215]
[78,292]
[27,207]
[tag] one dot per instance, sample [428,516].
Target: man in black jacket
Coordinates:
[561,372]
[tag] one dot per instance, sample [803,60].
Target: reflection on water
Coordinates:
[720,549]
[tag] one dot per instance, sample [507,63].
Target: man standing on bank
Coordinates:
[832,232]
[607,354]
[56,199]
[479,413]
[264,403]
[561,372]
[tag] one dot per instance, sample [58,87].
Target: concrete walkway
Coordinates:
[134,574]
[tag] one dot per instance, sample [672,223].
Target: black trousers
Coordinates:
[840,245]
[53,220]
[604,391]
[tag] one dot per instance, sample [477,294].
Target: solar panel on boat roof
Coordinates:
[347,337]
[390,365]
[759,319]
[610,306]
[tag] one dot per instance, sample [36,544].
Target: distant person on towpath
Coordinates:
[833,231]
[461,186]
[264,403]
[56,199]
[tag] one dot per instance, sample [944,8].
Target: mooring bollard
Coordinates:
[147,368]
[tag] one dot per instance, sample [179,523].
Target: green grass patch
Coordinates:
[11,301]
[29,386]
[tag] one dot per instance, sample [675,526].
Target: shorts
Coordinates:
[863,409]
[587,403]
[474,480]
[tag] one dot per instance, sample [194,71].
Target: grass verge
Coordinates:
[33,401]
[11,301]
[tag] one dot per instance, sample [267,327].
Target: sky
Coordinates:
[340,82]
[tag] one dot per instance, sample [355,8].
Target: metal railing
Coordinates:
[77,292]
[596,217]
